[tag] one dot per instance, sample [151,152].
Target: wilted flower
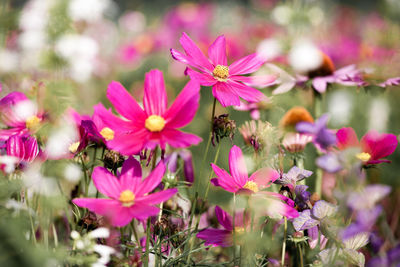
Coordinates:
[310,218]
[223,127]
[227,81]
[155,125]
[258,134]
[129,195]
[186,156]
[374,146]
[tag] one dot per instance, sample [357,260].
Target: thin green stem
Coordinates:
[301,255]
[146,259]
[211,173]
[233,228]
[284,243]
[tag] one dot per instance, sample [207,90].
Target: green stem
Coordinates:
[284,243]
[301,256]
[233,228]
[211,173]
[146,259]
[317,114]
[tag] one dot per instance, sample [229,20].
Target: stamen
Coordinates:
[155,123]
[127,198]
[74,147]
[107,133]
[221,73]
[364,157]
[251,186]
[32,122]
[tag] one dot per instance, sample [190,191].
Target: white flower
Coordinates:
[87,10]
[305,56]
[101,232]
[269,49]
[72,173]
[8,61]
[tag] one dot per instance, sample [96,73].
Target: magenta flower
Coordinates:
[224,237]
[239,180]
[23,147]
[227,81]
[374,146]
[155,125]
[19,114]
[129,195]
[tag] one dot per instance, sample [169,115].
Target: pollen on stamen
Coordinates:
[127,198]
[107,133]
[221,73]
[74,147]
[32,122]
[155,123]
[250,185]
[364,157]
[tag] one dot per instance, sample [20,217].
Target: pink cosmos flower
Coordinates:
[23,147]
[19,114]
[374,146]
[224,237]
[238,180]
[129,195]
[155,125]
[227,81]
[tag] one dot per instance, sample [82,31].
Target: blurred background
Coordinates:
[64,53]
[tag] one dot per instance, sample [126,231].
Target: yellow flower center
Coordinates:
[107,133]
[74,147]
[155,123]
[221,73]
[32,122]
[251,186]
[363,156]
[239,230]
[127,198]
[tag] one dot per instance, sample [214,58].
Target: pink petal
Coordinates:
[247,93]
[106,183]
[246,65]
[101,206]
[194,52]
[131,174]
[142,212]
[179,139]
[216,237]
[110,120]
[15,147]
[217,51]
[204,79]
[224,180]
[225,94]
[320,84]
[184,107]
[264,176]
[124,103]
[152,181]
[237,165]
[31,149]
[188,60]
[129,143]
[155,97]
[157,197]
[257,81]
[223,218]
[121,216]
[346,137]
[379,145]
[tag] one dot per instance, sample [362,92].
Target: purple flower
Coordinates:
[390,82]
[330,162]
[302,199]
[310,218]
[348,76]
[294,175]
[392,258]
[322,136]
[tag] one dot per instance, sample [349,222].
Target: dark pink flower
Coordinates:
[224,237]
[129,196]
[239,180]
[227,81]
[23,147]
[155,125]
[19,114]
[374,146]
